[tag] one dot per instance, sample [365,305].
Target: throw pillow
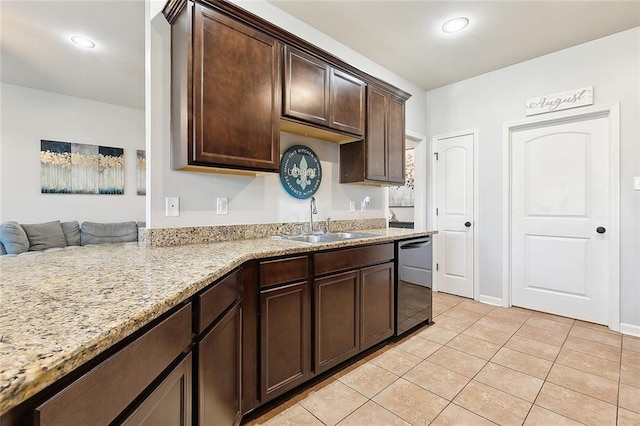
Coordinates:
[71,232]
[100,233]
[44,236]
[13,238]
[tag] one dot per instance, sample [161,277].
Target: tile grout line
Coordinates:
[475,375]
[546,380]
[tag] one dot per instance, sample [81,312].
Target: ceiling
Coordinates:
[406,38]
[402,36]
[37,52]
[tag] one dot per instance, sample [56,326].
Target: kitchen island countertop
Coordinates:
[61,309]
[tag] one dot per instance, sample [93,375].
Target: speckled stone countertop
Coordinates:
[60,309]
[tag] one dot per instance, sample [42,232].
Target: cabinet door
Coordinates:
[306,87]
[395,141]
[376,304]
[337,328]
[103,393]
[376,141]
[236,91]
[220,371]
[347,103]
[170,403]
[284,336]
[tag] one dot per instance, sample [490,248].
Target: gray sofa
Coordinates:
[17,239]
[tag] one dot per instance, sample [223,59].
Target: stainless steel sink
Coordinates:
[305,238]
[329,237]
[349,235]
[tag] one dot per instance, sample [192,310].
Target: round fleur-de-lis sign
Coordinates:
[300,172]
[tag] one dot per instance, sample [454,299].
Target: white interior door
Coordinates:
[455,216]
[560,213]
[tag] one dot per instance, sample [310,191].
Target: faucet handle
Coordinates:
[327,224]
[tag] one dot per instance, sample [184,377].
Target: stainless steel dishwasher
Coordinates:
[414,283]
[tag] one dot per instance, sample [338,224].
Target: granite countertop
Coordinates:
[60,309]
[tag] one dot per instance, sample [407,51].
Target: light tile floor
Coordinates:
[482,365]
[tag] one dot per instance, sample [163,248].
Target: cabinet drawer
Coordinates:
[104,392]
[217,299]
[353,258]
[284,270]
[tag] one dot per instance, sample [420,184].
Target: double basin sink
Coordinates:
[329,237]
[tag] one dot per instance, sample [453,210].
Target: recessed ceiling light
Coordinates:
[83,42]
[454,25]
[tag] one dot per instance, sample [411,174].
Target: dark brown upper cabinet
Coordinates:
[238,81]
[226,93]
[306,87]
[379,158]
[317,93]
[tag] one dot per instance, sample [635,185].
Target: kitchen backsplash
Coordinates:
[165,237]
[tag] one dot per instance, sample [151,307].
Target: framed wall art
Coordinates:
[74,168]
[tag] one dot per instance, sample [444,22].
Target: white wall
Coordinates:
[30,115]
[612,66]
[260,199]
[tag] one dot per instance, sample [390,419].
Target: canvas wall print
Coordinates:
[403,196]
[111,164]
[141,172]
[73,168]
[55,167]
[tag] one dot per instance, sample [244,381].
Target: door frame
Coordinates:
[420,179]
[476,222]
[612,111]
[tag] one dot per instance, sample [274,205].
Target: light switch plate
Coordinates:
[222,204]
[172,206]
[352,205]
[636,183]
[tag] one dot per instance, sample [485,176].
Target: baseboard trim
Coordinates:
[490,300]
[632,329]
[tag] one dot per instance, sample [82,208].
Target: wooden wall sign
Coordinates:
[559,101]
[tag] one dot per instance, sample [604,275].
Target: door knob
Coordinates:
[601,230]
[468,224]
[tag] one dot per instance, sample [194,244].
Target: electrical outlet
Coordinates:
[172,206]
[222,205]
[352,205]
[636,183]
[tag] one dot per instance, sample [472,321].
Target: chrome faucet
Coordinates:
[314,210]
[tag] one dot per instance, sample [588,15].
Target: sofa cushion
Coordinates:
[71,232]
[13,238]
[100,233]
[44,236]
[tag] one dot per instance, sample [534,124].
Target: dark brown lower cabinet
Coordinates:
[170,403]
[220,371]
[337,316]
[251,336]
[376,304]
[285,330]
[104,393]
